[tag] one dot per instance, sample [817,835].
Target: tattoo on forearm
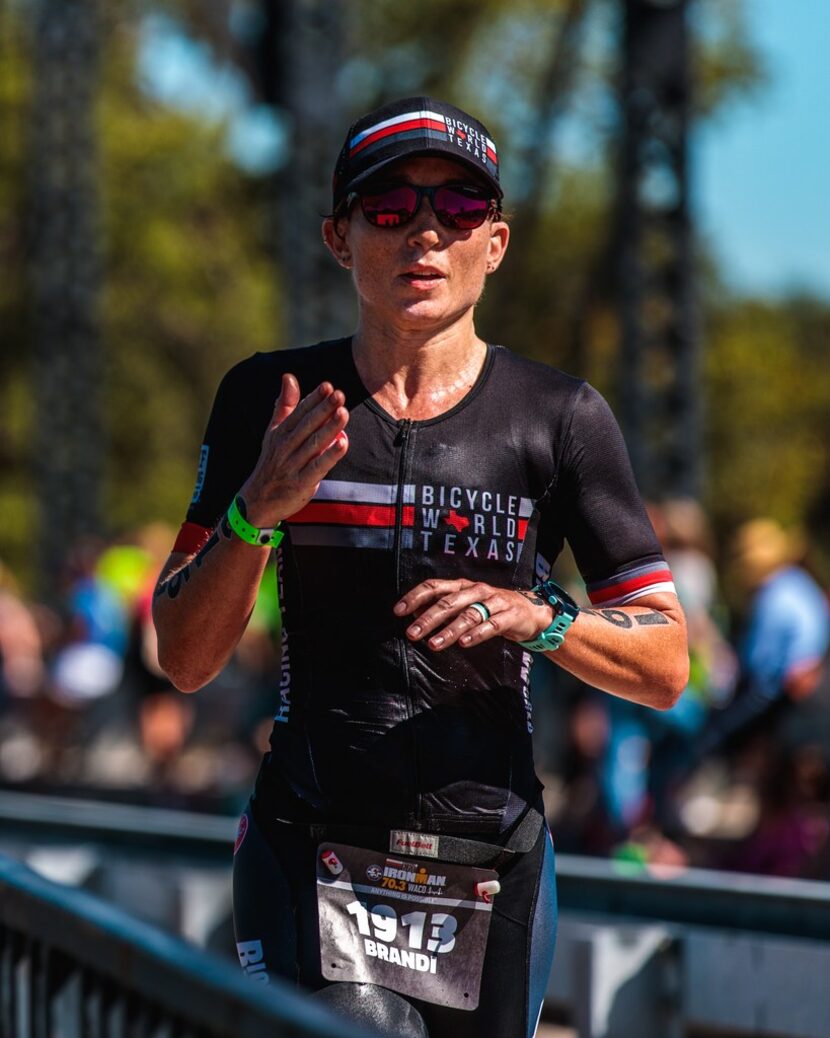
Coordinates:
[652,619]
[531,596]
[614,616]
[625,621]
[223,530]
[176,581]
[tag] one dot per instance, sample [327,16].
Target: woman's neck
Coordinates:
[417,374]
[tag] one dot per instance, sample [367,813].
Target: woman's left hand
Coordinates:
[444,613]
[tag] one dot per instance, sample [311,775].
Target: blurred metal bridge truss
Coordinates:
[65,279]
[298,66]
[298,73]
[654,261]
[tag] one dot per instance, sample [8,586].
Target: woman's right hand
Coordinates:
[304,440]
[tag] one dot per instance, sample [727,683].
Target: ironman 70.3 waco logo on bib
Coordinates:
[418,928]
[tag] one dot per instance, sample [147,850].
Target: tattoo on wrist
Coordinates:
[625,621]
[531,596]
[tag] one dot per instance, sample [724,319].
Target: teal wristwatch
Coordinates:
[267,537]
[565,611]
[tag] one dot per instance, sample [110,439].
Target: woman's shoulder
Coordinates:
[267,365]
[535,375]
[542,389]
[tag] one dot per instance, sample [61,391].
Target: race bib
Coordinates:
[416,927]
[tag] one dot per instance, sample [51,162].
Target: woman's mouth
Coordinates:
[426,278]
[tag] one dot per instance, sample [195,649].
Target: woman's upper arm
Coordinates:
[604,518]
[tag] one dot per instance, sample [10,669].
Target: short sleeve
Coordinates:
[603,517]
[226,458]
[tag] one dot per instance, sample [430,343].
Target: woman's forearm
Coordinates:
[202,605]
[639,652]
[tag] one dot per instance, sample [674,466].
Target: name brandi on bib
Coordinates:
[410,960]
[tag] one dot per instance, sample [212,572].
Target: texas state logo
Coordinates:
[435,519]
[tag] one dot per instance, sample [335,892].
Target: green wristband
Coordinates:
[267,537]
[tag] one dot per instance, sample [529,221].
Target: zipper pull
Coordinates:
[403,431]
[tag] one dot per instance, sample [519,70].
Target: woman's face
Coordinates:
[421,274]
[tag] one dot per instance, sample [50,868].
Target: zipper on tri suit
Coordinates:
[402,441]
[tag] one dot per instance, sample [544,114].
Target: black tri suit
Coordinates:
[373,730]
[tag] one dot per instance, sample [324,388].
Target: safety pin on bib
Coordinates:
[332,862]
[488,889]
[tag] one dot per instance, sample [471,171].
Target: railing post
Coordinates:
[58,945]
[22,994]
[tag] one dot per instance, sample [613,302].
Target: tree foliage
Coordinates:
[768,400]
[16,410]
[189,287]
[191,278]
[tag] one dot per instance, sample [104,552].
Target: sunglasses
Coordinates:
[462,207]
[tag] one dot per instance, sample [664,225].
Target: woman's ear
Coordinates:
[335,238]
[497,246]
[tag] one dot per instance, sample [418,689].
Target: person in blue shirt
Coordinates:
[786,635]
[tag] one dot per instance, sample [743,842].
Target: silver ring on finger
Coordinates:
[481,609]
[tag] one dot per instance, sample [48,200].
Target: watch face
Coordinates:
[552,590]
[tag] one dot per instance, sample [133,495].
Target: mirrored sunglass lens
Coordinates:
[390,207]
[461,209]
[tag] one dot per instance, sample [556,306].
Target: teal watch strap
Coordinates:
[565,611]
[267,537]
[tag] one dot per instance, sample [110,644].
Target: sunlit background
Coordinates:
[163,169]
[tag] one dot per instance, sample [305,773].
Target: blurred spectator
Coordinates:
[611,769]
[785,637]
[24,637]
[791,835]
[684,532]
[165,715]
[686,537]
[91,662]
[574,802]
[84,703]
[21,650]
[647,753]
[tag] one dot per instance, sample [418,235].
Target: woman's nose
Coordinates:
[424,227]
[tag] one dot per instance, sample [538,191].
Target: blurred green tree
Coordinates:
[192,283]
[16,410]
[768,402]
[190,286]
[542,73]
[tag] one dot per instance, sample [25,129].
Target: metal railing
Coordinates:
[586,886]
[159,831]
[690,953]
[73,966]
[591,887]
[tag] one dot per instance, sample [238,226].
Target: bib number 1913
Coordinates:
[382,923]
